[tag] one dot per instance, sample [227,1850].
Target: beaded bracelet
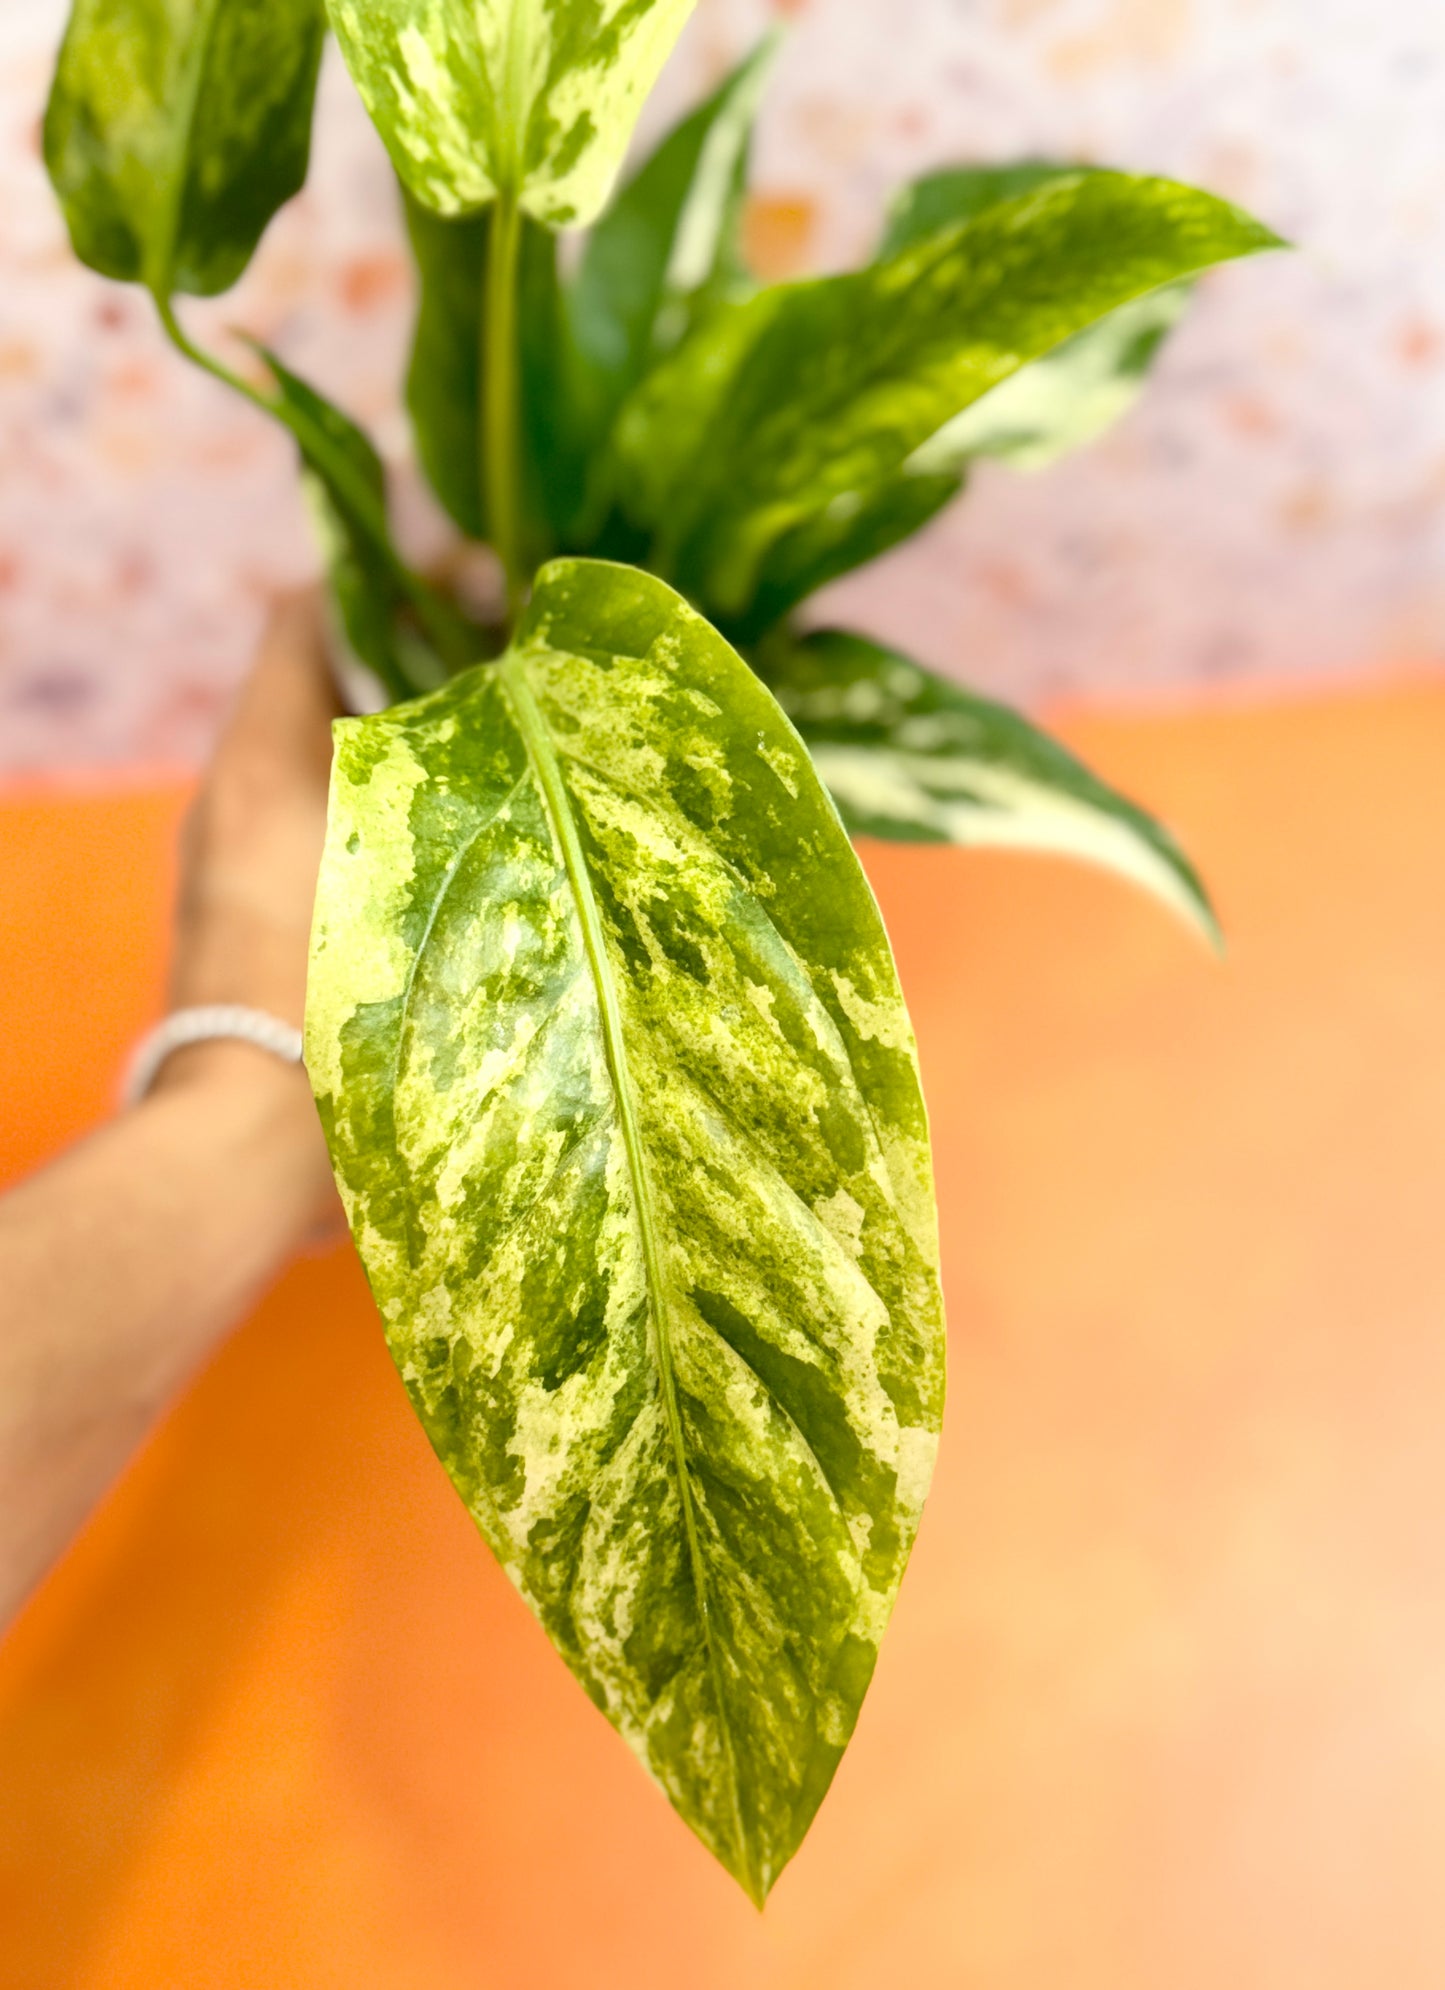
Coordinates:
[205,1025]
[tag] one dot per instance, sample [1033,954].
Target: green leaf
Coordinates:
[533,99]
[812,395]
[911,757]
[669,245]
[1064,400]
[622,1099]
[1074,393]
[175,130]
[444,381]
[397,625]
[962,193]
[847,534]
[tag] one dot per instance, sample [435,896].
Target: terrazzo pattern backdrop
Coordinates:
[1273,512]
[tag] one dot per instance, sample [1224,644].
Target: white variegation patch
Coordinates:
[909,755]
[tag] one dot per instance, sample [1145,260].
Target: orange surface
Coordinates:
[1163,1707]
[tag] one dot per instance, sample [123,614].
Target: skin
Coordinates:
[126,1262]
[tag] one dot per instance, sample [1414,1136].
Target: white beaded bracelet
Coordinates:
[205,1025]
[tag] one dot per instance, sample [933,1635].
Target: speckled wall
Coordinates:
[1273,512]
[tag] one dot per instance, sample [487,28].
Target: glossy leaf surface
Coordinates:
[670,243]
[532,98]
[622,1099]
[810,396]
[911,757]
[175,130]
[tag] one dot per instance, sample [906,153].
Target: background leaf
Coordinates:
[814,394]
[911,757]
[397,625]
[444,380]
[535,98]
[669,245]
[846,534]
[1065,399]
[175,130]
[1072,394]
[623,1102]
[961,193]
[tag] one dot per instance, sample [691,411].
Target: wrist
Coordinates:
[227,1067]
[257,1110]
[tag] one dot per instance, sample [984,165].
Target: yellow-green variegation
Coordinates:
[910,757]
[533,100]
[1072,394]
[175,130]
[622,1098]
[787,414]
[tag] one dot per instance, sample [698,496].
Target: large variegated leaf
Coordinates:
[911,757]
[621,1094]
[809,397]
[175,130]
[533,99]
[1072,394]
[669,244]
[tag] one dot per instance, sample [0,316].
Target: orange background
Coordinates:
[1163,1707]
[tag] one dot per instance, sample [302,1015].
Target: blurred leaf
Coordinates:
[847,534]
[962,193]
[397,625]
[911,757]
[668,246]
[176,128]
[1065,399]
[623,1103]
[532,98]
[444,382]
[814,394]
[1072,394]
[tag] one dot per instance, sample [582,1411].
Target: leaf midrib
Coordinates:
[535,737]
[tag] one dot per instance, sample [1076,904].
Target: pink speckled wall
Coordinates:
[1274,511]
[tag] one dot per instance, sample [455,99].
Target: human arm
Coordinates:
[124,1262]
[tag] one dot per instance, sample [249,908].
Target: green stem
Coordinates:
[500,371]
[445,632]
[208,362]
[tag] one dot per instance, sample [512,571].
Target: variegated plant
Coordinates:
[603,1025]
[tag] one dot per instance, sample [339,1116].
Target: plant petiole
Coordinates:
[444,630]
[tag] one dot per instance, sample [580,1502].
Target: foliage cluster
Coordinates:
[603,1024]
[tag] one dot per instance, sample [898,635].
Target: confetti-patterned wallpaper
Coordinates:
[1273,512]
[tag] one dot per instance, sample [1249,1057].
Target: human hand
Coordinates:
[252,843]
[250,852]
